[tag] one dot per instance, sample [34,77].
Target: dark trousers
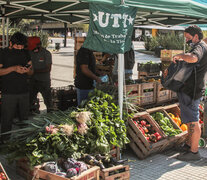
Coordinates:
[12,104]
[44,87]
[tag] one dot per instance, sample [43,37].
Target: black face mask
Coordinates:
[189,42]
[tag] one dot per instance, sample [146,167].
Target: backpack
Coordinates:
[176,75]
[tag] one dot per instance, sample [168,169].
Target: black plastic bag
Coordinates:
[176,75]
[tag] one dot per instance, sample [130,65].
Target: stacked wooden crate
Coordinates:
[116,172]
[148,69]
[163,94]
[90,174]
[139,142]
[147,93]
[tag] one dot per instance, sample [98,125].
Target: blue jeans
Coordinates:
[82,94]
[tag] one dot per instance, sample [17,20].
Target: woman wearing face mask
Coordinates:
[190,95]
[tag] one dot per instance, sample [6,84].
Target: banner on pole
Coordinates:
[110,28]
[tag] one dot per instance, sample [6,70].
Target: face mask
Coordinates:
[189,42]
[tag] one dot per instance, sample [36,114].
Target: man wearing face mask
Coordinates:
[190,95]
[15,66]
[40,80]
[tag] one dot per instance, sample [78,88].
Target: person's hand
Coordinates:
[177,58]
[98,80]
[27,69]
[18,69]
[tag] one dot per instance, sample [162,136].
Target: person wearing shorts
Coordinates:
[191,93]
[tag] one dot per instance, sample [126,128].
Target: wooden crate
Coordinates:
[79,42]
[142,74]
[147,93]
[173,139]
[120,172]
[167,55]
[138,141]
[174,109]
[3,171]
[91,174]
[24,169]
[174,95]
[115,152]
[163,94]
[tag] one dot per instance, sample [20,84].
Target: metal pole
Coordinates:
[3,30]
[7,32]
[121,82]
[65,34]
[184,45]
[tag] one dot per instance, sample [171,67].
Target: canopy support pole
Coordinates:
[3,26]
[121,82]
[7,32]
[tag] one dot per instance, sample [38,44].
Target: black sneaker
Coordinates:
[189,156]
[183,148]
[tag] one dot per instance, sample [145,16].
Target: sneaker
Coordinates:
[189,156]
[183,148]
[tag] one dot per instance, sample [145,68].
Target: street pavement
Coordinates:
[162,166]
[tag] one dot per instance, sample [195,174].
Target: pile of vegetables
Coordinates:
[103,161]
[177,120]
[93,128]
[165,124]
[147,130]
[65,168]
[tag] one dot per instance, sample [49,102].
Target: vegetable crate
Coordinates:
[132,93]
[120,172]
[90,174]
[174,95]
[142,74]
[175,139]
[140,141]
[167,55]
[174,109]
[147,93]
[23,169]
[163,94]
[115,152]
[3,173]
[64,97]
[148,67]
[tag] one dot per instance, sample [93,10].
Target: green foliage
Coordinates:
[167,41]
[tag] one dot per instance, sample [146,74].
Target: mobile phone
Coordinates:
[27,65]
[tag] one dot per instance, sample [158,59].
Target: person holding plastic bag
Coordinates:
[190,94]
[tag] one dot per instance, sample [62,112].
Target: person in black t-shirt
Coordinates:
[15,65]
[85,73]
[191,93]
